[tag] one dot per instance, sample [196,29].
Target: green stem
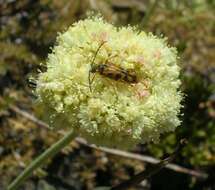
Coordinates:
[149,13]
[50,152]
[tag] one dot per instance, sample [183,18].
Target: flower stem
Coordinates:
[50,152]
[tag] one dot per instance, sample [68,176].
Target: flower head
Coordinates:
[113,86]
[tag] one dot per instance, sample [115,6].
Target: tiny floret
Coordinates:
[114,86]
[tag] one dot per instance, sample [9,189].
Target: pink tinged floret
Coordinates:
[140,60]
[101,37]
[142,93]
[157,54]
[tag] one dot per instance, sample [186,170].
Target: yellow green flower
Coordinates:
[110,109]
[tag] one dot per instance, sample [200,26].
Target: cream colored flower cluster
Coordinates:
[114,86]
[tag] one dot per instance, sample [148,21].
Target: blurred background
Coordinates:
[28,31]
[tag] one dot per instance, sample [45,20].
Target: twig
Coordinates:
[148,172]
[136,179]
[128,155]
[144,158]
[29,116]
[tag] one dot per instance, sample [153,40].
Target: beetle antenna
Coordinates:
[93,61]
[97,51]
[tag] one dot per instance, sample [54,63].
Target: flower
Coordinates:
[114,86]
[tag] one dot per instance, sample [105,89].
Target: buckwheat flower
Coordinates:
[114,86]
